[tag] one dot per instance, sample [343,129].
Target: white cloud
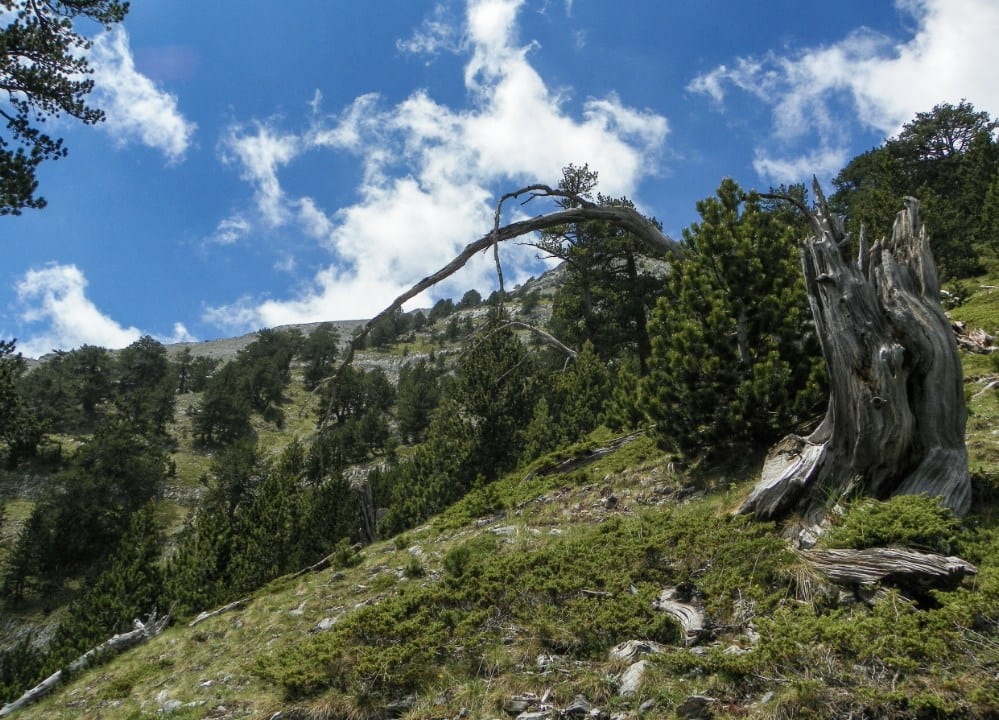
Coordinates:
[61,316]
[867,78]
[55,296]
[135,108]
[437,34]
[824,162]
[431,174]
[260,155]
[180,334]
[230,230]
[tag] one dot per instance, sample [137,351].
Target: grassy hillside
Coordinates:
[511,600]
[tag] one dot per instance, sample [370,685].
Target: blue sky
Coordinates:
[309,161]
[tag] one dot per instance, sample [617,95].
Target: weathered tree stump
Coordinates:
[896,417]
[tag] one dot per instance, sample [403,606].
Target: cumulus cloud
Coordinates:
[135,108]
[867,78]
[430,172]
[54,297]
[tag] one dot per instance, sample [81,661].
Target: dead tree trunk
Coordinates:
[896,417]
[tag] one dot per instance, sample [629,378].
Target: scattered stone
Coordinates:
[631,678]
[696,707]
[517,704]
[548,662]
[325,624]
[538,715]
[633,649]
[170,705]
[610,502]
[415,551]
[504,530]
[598,714]
[299,610]
[646,706]
[734,650]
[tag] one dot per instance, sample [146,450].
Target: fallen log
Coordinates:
[900,567]
[218,611]
[116,644]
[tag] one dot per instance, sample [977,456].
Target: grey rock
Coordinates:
[696,707]
[646,706]
[632,678]
[767,697]
[538,715]
[518,703]
[325,624]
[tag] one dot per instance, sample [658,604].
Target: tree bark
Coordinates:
[896,416]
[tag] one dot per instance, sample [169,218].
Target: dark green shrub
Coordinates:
[912,520]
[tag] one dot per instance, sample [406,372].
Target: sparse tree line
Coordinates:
[715,351]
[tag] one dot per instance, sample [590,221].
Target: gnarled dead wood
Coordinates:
[901,567]
[676,603]
[896,416]
[143,631]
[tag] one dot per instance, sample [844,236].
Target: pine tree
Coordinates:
[318,352]
[130,587]
[144,387]
[731,357]
[493,389]
[418,395]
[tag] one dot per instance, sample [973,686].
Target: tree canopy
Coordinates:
[43,74]
[947,158]
[730,352]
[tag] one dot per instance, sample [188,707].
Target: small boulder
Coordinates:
[696,707]
[631,678]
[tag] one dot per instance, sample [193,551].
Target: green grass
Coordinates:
[981,310]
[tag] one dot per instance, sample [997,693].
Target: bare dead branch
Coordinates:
[547,337]
[626,218]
